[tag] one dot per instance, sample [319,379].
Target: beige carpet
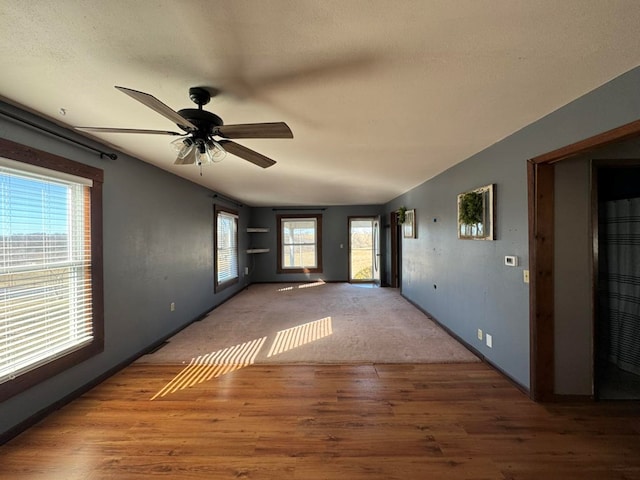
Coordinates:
[312,323]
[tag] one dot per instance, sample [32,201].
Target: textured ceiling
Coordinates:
[380,95]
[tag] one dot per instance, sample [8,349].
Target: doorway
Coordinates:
[395,243]
[364,250]
[617,315]
[540,186]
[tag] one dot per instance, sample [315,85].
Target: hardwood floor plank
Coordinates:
[454,421]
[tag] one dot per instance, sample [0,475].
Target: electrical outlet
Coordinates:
[479,334]
[525,276]
[172,307]
[489,340]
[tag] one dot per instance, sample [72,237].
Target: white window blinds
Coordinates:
[226,247]
[45,269]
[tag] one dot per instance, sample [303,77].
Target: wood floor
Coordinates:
[457,421]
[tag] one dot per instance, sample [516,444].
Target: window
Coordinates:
[50,265]
[300,243]
[226,248]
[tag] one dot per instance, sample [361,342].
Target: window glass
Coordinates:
[46,287]
[299,245]
[226,248]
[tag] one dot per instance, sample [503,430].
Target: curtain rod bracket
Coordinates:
[227,199]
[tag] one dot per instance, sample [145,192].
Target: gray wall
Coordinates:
[474,288]
[335,232]
[464,284]
[573,277]
[158,249]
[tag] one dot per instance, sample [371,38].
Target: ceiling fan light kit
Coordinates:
[215,152]
[196,144]
[182,146]
[205,152]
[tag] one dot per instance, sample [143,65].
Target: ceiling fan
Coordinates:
[196,144]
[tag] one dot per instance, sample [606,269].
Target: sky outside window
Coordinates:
[36,206]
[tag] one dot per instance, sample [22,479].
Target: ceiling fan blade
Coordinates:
[126,130]
[188,160]
[154,104]
[255,130]
[246,153]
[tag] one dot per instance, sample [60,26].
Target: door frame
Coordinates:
[541,205]
[373,219]
[394,280]
[377,249]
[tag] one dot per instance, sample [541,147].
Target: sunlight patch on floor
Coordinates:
[215,364]
[205,367]
[303,285]
[300,335]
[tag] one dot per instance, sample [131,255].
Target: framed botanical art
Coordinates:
[475,214]
[409,225]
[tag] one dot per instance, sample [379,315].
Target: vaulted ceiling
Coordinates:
[380,95]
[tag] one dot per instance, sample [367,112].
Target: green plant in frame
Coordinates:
[401,212]
[475,213]
[471,208]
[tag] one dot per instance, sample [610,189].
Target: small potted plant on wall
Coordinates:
[402,214]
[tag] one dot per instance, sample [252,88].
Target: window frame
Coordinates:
[280,222]
[219,286]
[28,155]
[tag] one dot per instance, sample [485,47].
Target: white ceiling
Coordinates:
[380,95]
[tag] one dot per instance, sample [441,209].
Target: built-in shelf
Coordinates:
[257,230]
[258,250]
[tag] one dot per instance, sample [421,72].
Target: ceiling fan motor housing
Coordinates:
[205,121]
